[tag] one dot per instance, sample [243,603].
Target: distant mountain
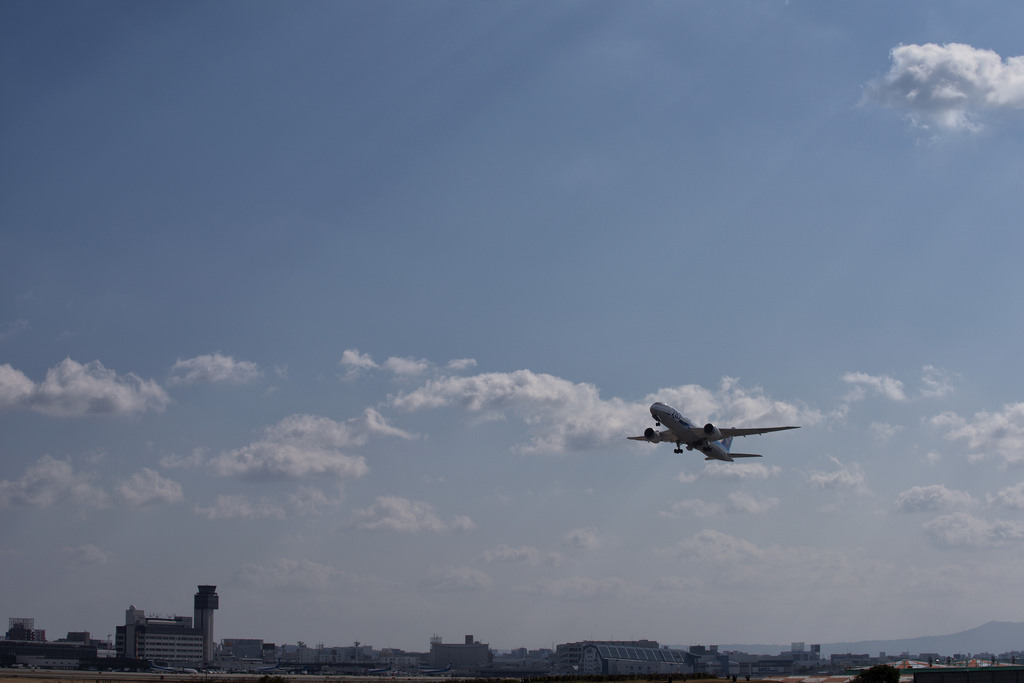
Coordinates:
[995,637]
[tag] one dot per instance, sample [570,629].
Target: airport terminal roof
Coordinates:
[648,654]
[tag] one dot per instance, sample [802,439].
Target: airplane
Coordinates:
[436,672]
[170,669]
[381,671]
[713,442]
[275,667]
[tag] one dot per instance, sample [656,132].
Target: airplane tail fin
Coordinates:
[727,443]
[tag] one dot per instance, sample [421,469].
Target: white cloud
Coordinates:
[961,529]
[87,554]
[562,415]
[949,85]
[740,502]
[392,513]
[148,487]
[49,482]
[296,447]
[522,554]
[456,580]
[716,547]
[506,553]
[751,407]
[375,423]
[737,502]
[307,500]
[937,382]
[934,497]
[214,368]
[355,362]
[239,507]
[1011,497]
[883,384]
[461,364]
[406,366]
[884,431]
[715,469]
[290,574]
[844,477]
[197,458]
[1000,434]
[15,387]
[72,389]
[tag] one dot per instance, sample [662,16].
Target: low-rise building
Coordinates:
[168,641]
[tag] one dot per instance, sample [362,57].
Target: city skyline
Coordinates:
[1000,640]
[349,308]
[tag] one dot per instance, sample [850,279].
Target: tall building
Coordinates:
[206,601]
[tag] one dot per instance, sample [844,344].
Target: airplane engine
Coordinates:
[651,435]
[711,431]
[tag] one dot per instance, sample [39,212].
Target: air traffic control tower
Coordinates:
[206,601]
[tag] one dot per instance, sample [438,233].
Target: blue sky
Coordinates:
[348,308]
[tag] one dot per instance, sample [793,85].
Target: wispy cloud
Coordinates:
[883,384]
[51,482]
[520,554]
[239,507]
[456,580]
[87,554]
[932,498]
[1011,497]
[214,367]
[292,574]
[963,530]
[147,487]
[845,477]
[393,513]
[13,329]
[737,502]
[987,434]
[356,363]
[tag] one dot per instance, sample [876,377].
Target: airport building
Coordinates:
[206,601]
[169,641]
[43,655]
[609,660]
[467,655]
[24,628]
[173,641]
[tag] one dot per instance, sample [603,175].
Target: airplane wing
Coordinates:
[733,431]
[663,435]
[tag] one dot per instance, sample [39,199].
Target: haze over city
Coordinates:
[348,308]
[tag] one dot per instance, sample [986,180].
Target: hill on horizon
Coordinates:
[994,637]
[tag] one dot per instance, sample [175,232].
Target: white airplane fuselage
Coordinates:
[688,434]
